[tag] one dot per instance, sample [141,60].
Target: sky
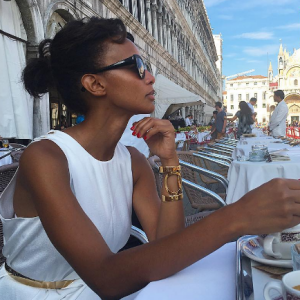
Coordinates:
[251,32]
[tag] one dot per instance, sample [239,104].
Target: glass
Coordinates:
[296,256]
[132,60]
[5,143]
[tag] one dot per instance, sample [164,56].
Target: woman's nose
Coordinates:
[150,79]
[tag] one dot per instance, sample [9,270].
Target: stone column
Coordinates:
[175,49]
[135,11]
[160,24]
[148,12]
[142,6]
[126,4]
[154,19]
[165,37]
[169,36]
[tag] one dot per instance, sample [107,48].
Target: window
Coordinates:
[231,85]
[264,83]
[239,84]
[247,83]
[255,95]
[264,95]
[231,106]
[264,105]
[240,97]
[255,83]
[296,82]
[231,97]
[247,97]
[255,106]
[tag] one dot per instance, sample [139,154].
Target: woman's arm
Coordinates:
[44,175]
[231,119]
[157,219]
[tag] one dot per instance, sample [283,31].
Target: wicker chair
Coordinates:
[6,174]
[16,145]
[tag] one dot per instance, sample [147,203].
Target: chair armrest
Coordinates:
[215,160]
[214,155]
[139,234]
[206,172]
[204,190]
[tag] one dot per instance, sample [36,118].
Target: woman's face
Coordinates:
[124,88]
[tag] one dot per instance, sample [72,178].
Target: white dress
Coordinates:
[104,191]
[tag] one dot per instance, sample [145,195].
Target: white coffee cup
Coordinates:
[279,244]
[285,288]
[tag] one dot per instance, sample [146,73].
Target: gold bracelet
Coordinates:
[171,198]
[169,169]
[179,182]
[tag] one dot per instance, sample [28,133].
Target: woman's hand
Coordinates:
[159,136]
[272,207]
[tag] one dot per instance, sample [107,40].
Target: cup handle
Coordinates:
[272,285]
[268,246]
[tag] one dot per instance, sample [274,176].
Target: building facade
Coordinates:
[174,37]
[287,78]
[243,88]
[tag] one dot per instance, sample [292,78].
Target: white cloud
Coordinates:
[225,17]
[262,50]
[294,26]
[263,35]
[210,3]
[254,61]
[241,58]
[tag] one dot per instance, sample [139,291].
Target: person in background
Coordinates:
[251,104]
[246,119]
[277,125]
[221,122]
[213,131]
[188,120]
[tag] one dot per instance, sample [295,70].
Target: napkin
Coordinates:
[279,157]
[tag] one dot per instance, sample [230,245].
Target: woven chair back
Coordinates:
[6,174]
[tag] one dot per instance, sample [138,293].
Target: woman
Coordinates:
[67,213]
[246,119]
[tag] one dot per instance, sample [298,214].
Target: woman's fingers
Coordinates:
[148,127]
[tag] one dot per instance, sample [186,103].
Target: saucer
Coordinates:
[253,249]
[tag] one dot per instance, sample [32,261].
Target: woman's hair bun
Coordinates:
[37,75]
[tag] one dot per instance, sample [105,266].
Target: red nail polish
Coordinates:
[132,128]
[145,137]
[134,133]
[138,135]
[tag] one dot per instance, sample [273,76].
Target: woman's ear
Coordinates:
[94,84]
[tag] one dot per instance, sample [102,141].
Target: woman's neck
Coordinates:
[99,134]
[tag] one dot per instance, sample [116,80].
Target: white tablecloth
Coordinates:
[211,278]
[6,160]
[180,137]
[201,136]
[246,176]
[243,147]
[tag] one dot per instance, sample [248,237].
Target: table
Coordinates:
[246,176]
[180,137]
[201,136]
[211,278]
[6,160]
[243,147]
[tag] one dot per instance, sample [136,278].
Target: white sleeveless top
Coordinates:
[104,191]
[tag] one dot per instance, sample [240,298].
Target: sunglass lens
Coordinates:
[141,67]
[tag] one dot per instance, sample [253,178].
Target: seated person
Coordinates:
[62,233]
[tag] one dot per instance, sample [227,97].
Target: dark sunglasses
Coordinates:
[132,60]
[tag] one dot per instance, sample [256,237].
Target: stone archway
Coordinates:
[293,102]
